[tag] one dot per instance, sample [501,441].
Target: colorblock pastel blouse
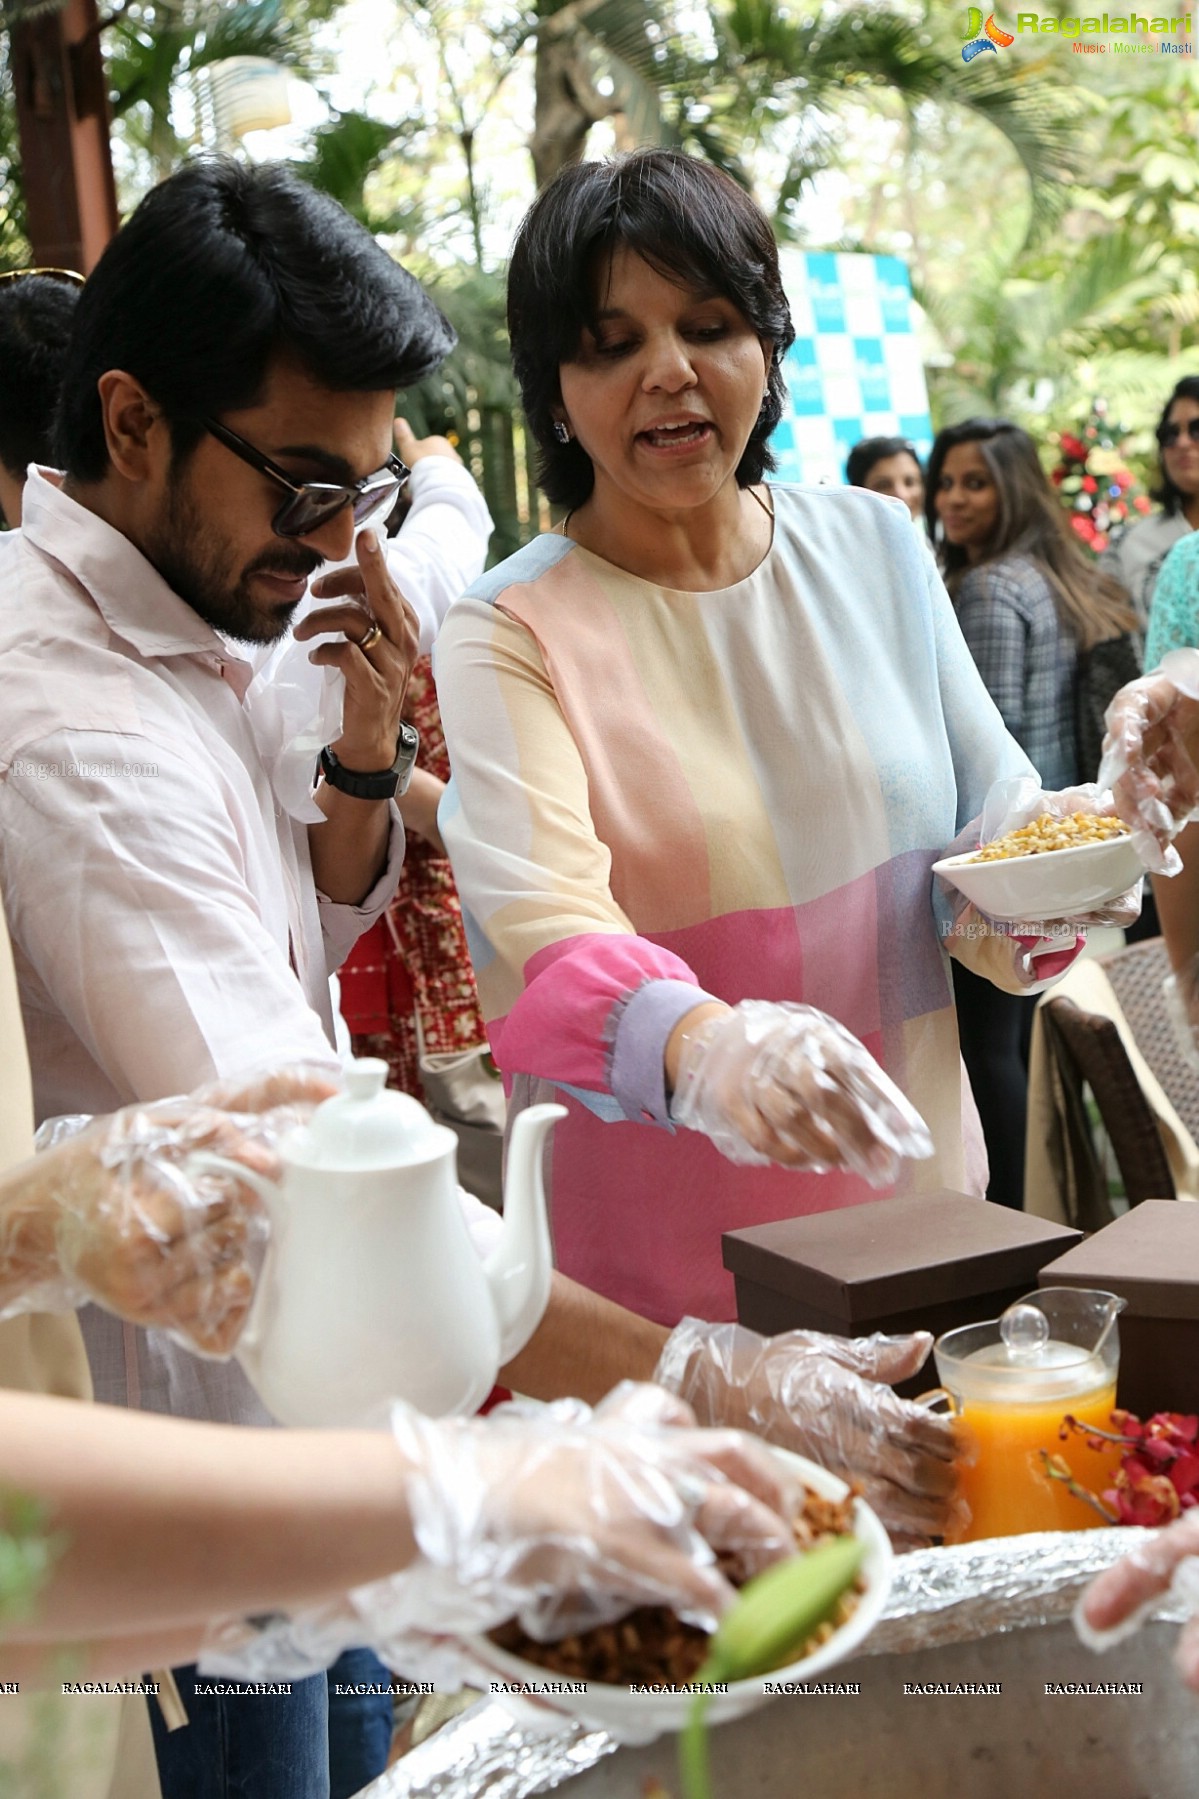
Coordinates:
[664,796]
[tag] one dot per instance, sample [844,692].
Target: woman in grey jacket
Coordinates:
[1029,601]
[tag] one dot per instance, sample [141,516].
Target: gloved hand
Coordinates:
[776,1082]
[1117,1601]
[559,1516]
[1010,804]
[1151,757]
[113,1213]
[1041,949]
[828,1398]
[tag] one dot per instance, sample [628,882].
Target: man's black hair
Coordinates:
[222,267]
[686,219]
[35,328]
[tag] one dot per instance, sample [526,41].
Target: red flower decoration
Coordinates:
[1158,1476]
[1142,502]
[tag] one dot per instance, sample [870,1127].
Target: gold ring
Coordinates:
[371,638]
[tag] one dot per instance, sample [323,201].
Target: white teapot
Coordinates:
[371,1289]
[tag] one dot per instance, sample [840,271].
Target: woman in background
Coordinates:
[888,465]
[1135,557]
[1028,601]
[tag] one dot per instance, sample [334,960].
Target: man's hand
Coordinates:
[120,1218]
[828,1398]
[376,667]
[410,448]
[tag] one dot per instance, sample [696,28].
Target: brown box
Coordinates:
[927,1261]
[1150,1257]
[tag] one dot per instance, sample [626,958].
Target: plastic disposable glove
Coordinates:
[775,1082]
[1150,755]
[1042,949]
[1118,1601]
[828,1398]
[114,1213]
[559,1516]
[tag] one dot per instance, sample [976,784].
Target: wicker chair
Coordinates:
[1136,974]
[1092,1043]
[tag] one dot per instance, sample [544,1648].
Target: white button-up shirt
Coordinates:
[443,544]
[165,922]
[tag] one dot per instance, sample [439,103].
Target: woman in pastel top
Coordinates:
[1135,558]
[1028,601]
[707,739]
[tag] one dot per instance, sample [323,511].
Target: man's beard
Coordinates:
[196,564]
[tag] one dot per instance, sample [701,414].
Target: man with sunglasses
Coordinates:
[225,427]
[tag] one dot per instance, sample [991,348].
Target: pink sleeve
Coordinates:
[595,1016]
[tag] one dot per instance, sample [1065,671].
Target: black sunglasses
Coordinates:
[314,503]
[1169,434]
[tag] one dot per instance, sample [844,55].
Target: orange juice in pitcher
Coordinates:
[1012,1381]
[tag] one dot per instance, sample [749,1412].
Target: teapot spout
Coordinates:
[520,1268]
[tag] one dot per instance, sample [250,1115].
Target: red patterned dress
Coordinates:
[414,963]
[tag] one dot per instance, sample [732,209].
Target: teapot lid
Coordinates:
[367,1127]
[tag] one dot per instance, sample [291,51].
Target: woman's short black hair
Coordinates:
[864,455]
[35,328]
[692,224]
[222,267]
[1172,498]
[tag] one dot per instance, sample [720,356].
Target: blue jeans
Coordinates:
[359,1723]
[311,1743]
[243,1745]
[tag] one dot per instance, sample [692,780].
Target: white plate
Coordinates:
[1056,884]
[640,1717]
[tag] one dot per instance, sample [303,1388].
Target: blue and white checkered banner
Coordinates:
[854,369]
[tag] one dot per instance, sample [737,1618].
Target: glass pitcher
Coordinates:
[1013,1380]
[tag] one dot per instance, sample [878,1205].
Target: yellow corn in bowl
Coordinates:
[1051,869]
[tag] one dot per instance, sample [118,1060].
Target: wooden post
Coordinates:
[62,119]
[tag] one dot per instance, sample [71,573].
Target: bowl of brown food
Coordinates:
[638,1676]
[1048,869]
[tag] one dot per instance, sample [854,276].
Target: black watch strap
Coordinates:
[383,783]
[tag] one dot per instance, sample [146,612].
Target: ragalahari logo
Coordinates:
[983,37]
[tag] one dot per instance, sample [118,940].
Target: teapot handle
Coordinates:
[201,1161]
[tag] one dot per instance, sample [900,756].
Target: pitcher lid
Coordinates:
[368,1126]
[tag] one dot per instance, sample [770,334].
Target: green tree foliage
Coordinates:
[156,48]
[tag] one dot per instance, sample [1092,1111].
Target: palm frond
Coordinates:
[848,53]
[344,153]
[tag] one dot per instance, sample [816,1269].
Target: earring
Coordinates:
[562,431]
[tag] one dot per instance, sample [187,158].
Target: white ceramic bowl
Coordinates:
[1055,884]
[640,1717]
